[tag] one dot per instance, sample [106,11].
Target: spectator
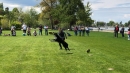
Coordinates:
[28,31]
[40,29]
[76,30]
[87,30]
[35,33]
[79,30]
[116,30]
[83,30]
[46,30]
[24,27]
[122,31]
[13,30]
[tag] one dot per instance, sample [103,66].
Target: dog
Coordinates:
[50,32]
[6,34]
[60,40]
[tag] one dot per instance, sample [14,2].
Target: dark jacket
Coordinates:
[62,35]
[116,29]
[122,30]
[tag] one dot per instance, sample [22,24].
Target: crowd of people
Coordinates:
[116,30]
[78,31]
[26,30]
[81,30]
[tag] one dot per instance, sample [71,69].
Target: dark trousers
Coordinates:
[87,32]
[24,31]
[46,31]
[83,32]
[116,34]
[122,34]
[76,32]
[79,32]
[40,32]
[60,43]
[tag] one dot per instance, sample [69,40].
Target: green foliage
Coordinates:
[111,23]
[30,17]
[64,25]
[79,22]
[100,23]
[72,11]
[1,11]
[5,23]
[126,24]
[17,24]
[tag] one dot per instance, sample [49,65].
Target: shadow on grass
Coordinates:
[69,53]
[72,49]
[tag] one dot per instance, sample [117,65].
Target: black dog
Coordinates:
[60,40]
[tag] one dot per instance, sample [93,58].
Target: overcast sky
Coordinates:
[103,10]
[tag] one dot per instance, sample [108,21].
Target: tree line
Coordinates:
[61,13]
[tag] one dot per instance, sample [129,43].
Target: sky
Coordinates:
[102,10]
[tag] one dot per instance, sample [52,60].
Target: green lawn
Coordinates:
[29,54]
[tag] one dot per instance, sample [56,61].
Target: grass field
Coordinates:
[29,54]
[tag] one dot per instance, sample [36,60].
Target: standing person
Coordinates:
[128,34]
[62,36]
[76,30]
[24,27]
[116,30]
[122,31]
[79,30]
[83,30]
[46,30]
[87,30]
[98,29]
[40,29]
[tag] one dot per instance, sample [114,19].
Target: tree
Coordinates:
[1,9]
[4,23]
[88,13]
[30,17]
[68,12]
[100,23]
[111,23]
[46,7]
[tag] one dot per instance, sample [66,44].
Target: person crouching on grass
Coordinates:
[128,34]
[28,31]
[35,33]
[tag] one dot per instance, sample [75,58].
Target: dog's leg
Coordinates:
[68,49]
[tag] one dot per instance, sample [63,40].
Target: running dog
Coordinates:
[60,40]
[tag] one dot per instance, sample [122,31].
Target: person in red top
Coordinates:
[116,30]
